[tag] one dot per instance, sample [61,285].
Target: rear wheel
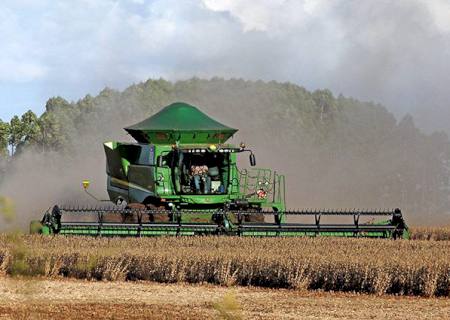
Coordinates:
[158,217]
[254,216]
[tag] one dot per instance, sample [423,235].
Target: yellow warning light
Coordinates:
[242,145]
[213,147]
[86,184]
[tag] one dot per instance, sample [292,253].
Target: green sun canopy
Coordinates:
[180,122]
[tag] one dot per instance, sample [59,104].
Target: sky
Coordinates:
[393,52]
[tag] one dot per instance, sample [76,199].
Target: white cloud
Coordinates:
[440,10]
[271,15]
[392,52]
[254,15]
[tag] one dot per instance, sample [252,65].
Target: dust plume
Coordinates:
[36,181]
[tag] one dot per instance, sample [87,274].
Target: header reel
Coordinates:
[117,221]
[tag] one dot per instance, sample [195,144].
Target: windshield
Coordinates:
[199,172]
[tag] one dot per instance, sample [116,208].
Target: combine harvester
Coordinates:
[181,178]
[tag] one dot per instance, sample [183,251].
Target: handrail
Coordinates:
[250,181]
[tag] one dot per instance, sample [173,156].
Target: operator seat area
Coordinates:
[202,172]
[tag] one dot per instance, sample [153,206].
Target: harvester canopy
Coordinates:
[180,122]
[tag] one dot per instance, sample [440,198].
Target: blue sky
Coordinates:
[396,53]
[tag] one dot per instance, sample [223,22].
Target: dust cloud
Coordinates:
[37,181]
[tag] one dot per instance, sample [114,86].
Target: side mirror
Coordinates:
[160,161]
[252,159]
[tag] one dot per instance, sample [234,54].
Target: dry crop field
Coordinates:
[430,233]
[373,266]
[22,298]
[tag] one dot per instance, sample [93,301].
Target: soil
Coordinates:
[25,298]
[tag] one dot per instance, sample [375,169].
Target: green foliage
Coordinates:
[4,134]
[50,135]
[325,101]
[57,103]
[30,131]
[15,133]
[30,126]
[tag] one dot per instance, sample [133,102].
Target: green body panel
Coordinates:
[158,183]
[406,234]
[46,230]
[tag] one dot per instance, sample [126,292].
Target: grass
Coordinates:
[228,307]
[373,266]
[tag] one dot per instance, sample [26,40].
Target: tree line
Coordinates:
[29,131]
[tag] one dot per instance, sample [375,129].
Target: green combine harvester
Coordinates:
[181,178]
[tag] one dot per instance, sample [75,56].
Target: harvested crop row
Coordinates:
[358,265]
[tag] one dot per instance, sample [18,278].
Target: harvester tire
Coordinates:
[157,217]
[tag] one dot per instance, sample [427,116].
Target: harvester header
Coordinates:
[181,177]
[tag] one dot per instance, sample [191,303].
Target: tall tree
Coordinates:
[50,136]
[325,101]
[56,103]
[15,133]
[30,127]
[4,137]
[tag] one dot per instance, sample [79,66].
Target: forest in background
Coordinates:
[335,151]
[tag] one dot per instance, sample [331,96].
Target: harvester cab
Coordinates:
[181,177]
[182,161]
[201,170]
